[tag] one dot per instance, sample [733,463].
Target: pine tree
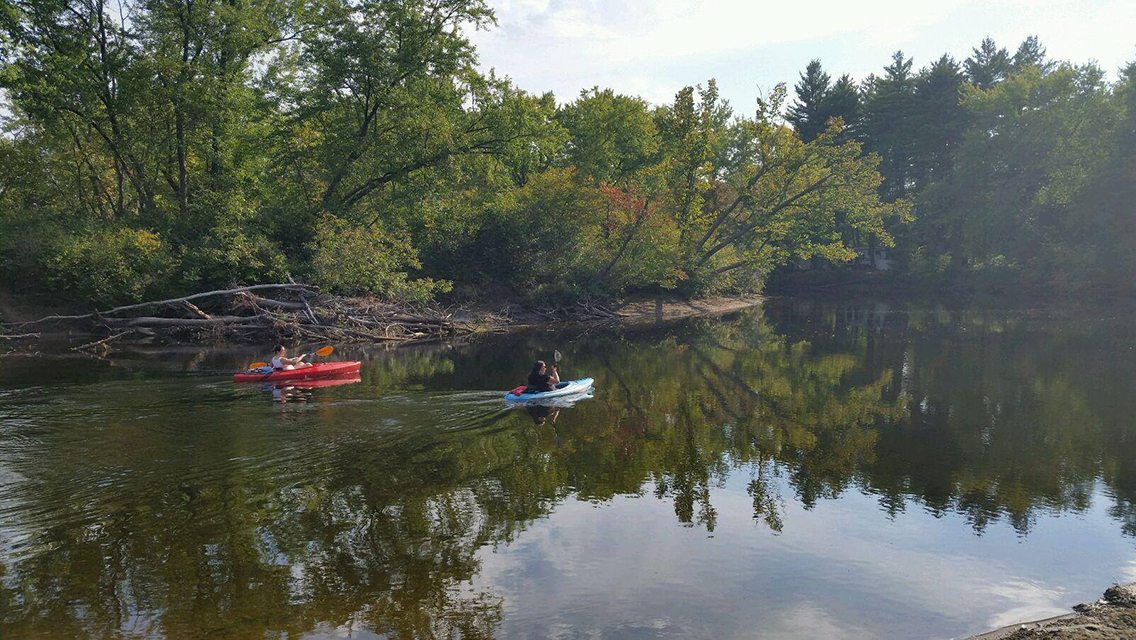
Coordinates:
[843,101]
[888,122]
[1031,53]
[988,66]
[808,114]
[938,119]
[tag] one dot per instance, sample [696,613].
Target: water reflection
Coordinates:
[302,391]
[138,505]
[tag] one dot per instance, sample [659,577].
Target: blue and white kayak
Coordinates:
[562,390]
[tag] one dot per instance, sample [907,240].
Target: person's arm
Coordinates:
[555,378]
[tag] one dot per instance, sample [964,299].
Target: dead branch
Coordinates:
[308,308]
[148,321]
[268,303]
[171,301]
[101,343]
[195,310]
[293,311]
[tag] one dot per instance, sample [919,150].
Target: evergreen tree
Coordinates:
[988,66]
[808,114]
[843,101]
[1031,53]
[937,119]
[888,123]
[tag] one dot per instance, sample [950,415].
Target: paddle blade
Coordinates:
[325,351]
[556,356]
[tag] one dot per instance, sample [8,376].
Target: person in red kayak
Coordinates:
[281,361]
[540,380]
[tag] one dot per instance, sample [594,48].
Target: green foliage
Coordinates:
[989,65]
[1013,163]
[779,200]
[889,110]
[808,112]
[612,136]
[1037,144]
[1031,53]
[115,265]
[818,101]
[351,259]
[233,253]
[357,142]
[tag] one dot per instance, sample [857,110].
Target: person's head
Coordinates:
[279,350]
[539,367]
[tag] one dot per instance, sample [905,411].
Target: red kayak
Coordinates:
[318,370]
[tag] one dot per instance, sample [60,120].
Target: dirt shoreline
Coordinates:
[1113,617]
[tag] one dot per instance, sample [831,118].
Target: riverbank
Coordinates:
[1113,617]
[295,312]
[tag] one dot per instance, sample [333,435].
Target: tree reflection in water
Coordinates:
[344,521]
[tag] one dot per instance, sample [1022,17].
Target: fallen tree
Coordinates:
[266,312]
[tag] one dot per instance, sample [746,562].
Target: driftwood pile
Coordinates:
[266,312]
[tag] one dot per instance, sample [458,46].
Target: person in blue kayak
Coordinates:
[540,380]
[281,361]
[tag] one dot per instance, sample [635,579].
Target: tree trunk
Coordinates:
[183,175]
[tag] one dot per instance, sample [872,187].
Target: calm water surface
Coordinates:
[801,471]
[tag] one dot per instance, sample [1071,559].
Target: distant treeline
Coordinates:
[162,146]
[1021,169]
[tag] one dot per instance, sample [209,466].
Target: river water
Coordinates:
[797,471]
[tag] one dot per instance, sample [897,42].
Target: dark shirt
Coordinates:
[539,382]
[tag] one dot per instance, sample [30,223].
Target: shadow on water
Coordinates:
[138,501]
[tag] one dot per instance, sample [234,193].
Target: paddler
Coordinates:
[540,380]
[281,361]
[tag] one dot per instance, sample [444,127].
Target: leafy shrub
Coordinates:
[354,260]
[105,266]
[543,237]
[230,255]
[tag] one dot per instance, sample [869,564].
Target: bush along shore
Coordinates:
[298,312]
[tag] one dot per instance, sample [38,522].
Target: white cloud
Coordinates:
[633,32]
[653,48]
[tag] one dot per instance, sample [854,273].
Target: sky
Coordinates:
[653,48]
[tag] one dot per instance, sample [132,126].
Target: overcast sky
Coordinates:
[652,48]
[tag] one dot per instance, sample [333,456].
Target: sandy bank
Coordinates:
[1113,617]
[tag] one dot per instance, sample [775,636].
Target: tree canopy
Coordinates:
[158,147]
[1012,164]
[162,146]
